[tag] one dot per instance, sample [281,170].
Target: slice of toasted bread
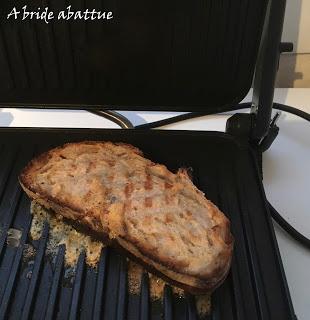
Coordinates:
[156,217]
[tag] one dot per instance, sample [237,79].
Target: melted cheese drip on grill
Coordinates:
[62,233]
[76,242]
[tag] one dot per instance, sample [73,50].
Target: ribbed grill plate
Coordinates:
[225,170]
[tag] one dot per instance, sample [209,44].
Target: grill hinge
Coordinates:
[240,125]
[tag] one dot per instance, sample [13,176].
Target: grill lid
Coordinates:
[153,55]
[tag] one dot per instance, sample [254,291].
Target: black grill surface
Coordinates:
[224,169]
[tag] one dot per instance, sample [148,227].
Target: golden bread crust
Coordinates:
[157,216]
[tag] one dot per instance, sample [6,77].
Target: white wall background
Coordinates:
[297,25]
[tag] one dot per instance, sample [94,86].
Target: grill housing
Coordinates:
[158,55]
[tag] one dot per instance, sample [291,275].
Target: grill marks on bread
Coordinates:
[159,217]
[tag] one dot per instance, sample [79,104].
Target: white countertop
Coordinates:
[286,167]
